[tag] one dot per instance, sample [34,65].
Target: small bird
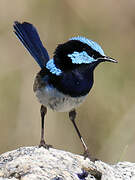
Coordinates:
[64,81]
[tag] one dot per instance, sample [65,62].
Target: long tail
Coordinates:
[28,35]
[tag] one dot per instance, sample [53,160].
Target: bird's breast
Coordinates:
[57,101]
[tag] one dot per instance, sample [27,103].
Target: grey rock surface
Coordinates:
[33,163]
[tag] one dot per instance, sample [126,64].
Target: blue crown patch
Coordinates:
[90,43]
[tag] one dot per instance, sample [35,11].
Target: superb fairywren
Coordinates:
[65,80]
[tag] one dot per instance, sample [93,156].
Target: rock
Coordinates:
[34,163]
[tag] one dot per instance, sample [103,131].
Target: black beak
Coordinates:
[109,59]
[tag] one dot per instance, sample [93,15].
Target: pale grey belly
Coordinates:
[57,101]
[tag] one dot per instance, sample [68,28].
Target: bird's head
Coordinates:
[75,53]
[93,51]
[79,51]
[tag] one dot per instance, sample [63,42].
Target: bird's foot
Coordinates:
[43,144]
[86,154]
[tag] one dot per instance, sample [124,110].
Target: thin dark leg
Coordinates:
[43,111]
[72,116]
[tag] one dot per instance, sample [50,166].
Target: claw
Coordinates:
[86,154]
[43,144]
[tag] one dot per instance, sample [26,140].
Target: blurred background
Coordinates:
[106,119]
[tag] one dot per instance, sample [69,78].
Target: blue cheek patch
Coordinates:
[52,68]
[90,43]
[81,57]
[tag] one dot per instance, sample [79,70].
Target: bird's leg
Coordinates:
[43,111]
[72,116]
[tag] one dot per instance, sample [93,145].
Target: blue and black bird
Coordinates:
[64,81]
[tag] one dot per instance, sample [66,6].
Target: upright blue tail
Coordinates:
[28,35]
